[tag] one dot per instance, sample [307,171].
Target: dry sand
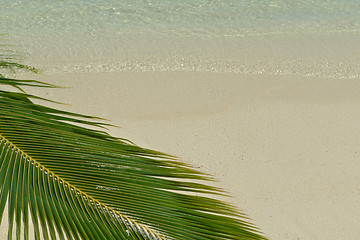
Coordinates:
[285,147]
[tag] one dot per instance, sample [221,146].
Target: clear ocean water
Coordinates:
[262,36]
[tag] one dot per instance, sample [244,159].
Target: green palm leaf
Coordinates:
[8,58]
[75,182]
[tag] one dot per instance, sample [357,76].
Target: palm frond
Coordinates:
[9,58]
[81,183]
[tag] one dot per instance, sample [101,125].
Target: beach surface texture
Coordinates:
[284,147]
[269,106]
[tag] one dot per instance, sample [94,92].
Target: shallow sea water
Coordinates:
[305,37]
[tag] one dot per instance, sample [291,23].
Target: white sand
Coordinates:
[285,147]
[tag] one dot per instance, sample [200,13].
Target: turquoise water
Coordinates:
[184,16]
[158,34]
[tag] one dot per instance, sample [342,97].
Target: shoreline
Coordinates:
[324,54]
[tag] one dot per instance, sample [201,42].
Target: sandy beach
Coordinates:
[262,95]
[286,148]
